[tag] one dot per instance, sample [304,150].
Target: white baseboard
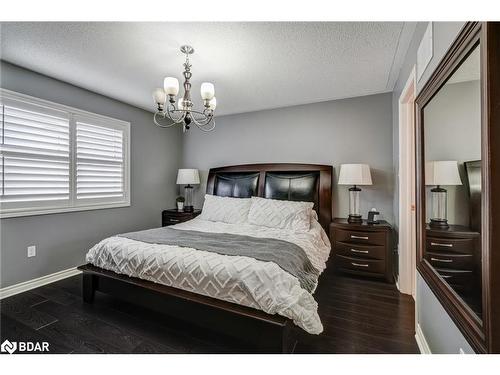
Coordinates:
[421,341]
[35,283]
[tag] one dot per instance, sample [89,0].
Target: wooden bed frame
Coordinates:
[270,333]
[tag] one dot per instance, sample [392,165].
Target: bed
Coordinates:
[245,304]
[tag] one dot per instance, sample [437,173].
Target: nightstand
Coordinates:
[363,249]
[455,253]
[173,216]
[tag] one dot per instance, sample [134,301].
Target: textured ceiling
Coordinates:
[254,66]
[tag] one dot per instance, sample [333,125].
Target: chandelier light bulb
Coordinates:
[171,86]
[159,96]
[213,103]
[207,90]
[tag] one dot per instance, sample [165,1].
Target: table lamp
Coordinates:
[188,177]
[441,173]
[354,174]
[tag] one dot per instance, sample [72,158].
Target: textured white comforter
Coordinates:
[238,279]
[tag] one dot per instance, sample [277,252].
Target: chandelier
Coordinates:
[172,113]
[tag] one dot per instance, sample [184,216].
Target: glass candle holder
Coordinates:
[439,207]
[354,209]
[188,205]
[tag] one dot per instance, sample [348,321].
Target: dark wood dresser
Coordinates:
[363,249]
[454,253]
[174,216]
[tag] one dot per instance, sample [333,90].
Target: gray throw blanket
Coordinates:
[290,257]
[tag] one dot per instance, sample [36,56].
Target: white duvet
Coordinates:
[238,279]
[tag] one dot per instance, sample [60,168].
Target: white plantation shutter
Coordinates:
[55,158]
[100,156]
[34,156]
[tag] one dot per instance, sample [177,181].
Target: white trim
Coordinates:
[73,114]
[72,161]
[403,43]
[55,210]
[425,51]
[406,184]
[35,283]
[423,346]
[13,95]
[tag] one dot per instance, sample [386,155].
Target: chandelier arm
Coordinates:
[202,125]
[200,122]
[157,123]
[171,109]
[204,120]
[203,128]
[205,113]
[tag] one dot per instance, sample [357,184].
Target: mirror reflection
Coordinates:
[452,149]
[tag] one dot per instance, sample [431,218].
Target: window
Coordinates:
[55,158]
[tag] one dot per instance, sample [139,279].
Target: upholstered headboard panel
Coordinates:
[238,185]
[292,186]
[296,182]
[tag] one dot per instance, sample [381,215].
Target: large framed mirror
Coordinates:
[455,183]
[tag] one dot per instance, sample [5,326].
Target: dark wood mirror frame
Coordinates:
[483,335]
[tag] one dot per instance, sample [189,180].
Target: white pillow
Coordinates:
[295,216]
[225,209]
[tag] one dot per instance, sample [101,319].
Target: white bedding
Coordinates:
[238,279]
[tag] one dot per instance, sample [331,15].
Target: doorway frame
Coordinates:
[407,246]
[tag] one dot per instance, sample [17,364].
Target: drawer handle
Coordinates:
[174,220]
[442,244]
[442,260]
[446,276]
[359,264]
[359,237]
[359,251]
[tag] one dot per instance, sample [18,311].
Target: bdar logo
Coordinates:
[24,346]
[8,346]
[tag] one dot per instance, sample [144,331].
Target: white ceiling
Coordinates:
[253,65]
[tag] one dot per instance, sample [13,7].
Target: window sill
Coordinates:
[41,211]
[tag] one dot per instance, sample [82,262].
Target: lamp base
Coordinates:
[439,223]
[188,208]
[354,219]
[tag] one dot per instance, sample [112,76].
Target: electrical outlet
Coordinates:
[31,251]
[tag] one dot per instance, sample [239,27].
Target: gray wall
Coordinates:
[357,130]
[63,239]
[441,333]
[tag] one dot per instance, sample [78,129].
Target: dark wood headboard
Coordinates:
[299,182]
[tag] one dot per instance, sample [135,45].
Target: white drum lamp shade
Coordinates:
[355,174]
[188,177]
[441,173]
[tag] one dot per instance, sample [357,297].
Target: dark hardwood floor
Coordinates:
[359,316]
